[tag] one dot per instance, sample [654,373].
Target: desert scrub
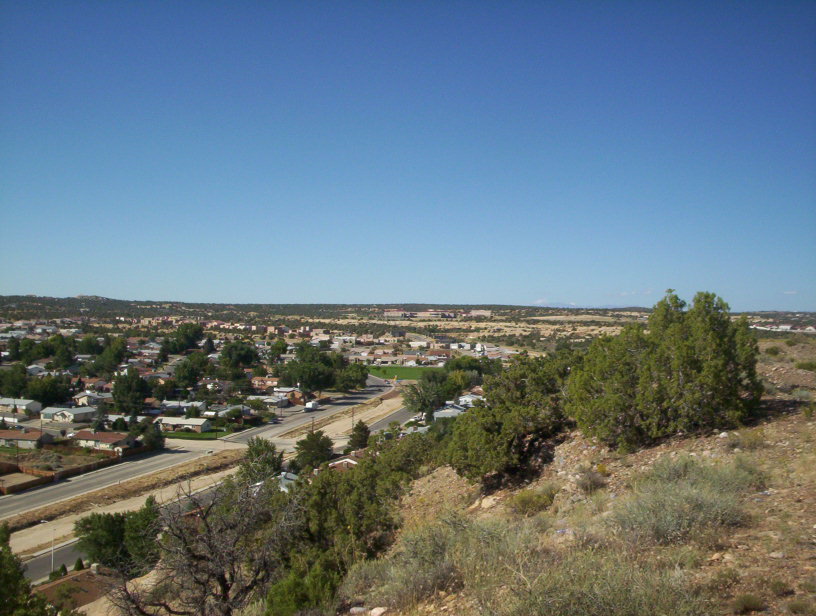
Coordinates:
[604,583]
[747,439]
[590,480]
[681,499]
[802,606]
[507,570]
[418,568]
[531,501]
[745,604]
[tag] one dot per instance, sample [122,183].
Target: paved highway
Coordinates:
[297,418]
[39,567]
[148,463]
[74,486]
[401,416]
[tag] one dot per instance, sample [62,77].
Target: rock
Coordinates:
[488,502]
[776,555]
[722,435]
[716,556]
[358,610]
[378,611]
[728,557]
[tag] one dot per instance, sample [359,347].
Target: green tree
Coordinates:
[129,392]
[101,537]
[47,390]
[602,394]
[112,355]
[523,410]
[359,436]
[153,437]
[89,345]
[208,346]
[693,370]
[14,349]
[313,450]
[429,393]
[16,598]
[262,461]
[140,537]
[13,381]
[351,377]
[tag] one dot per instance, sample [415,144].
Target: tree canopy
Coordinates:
[690,370]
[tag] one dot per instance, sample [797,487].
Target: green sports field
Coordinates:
[197,436]
[410,373]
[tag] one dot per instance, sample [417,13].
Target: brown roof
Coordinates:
[19,435]
[102,437]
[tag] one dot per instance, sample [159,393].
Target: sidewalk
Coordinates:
[28,541]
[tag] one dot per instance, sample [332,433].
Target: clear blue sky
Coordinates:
[593,153]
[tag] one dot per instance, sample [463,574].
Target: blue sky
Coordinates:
[593,153]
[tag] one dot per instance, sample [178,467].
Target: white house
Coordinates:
[92,398]
[24,439]
[80,414]
[195,424]
[21,404]
[451,410]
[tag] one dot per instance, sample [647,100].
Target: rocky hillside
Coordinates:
[721,523]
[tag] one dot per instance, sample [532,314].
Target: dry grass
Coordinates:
[202,466]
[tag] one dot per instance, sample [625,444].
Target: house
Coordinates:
[183,405]
[24,439]
[81,414]
[226,411]
[110,419]
[194,424]
[264,383]
[19,404]
[105,441]
[294,395]
[12,418]
[450,410]
[92,398]
[285,480]
[343,464]
[468,400]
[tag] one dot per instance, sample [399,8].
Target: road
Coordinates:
[296,419]
[141,464]
[400,415]
[179,451]
[39,567]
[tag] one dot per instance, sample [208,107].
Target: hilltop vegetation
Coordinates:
[602,481]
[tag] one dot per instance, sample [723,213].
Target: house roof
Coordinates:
[102,437]
[181,421]
[20,435]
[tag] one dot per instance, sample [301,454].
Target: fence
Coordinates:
[43,476]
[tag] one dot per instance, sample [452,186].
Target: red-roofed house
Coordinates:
[108,441]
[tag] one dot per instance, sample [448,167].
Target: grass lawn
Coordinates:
[197,436]
[401,372]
